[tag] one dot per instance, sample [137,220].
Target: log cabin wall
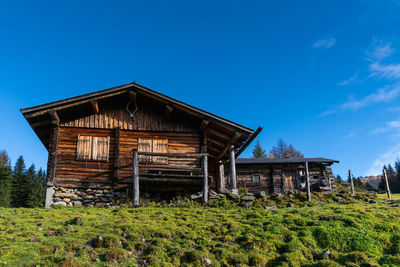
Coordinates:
[275,178]
[72,172]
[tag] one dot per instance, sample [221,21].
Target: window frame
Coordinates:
[255,175]
[93,145]
[153,144]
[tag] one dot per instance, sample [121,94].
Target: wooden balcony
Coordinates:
[149,176]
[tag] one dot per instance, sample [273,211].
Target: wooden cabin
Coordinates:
[104,146]
[284,175]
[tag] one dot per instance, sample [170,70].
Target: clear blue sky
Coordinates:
[323,75]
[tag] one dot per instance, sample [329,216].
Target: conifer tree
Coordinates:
[258,151]
[38,191]
[21,184]
[5,186]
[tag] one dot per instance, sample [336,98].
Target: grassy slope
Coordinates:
[357,234]
[384,196]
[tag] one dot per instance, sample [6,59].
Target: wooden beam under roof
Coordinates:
[95,106]
[168,111]
[231,141]
[73,104]
[132,96]
[248,142]
[204,125]
[54,116]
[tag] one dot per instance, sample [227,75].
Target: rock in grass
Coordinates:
[324,255]
[373,202]
[290,205]
[260,194]
[77,203]
[271,208]
[207,262]
[247,204]
[60,203]
[248,198]
[319,202]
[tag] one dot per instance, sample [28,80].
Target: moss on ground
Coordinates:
[357,234]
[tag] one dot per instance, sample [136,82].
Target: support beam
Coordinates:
[248,142]
[204,125]
[54,117]
[387,184]
[168,111]
[51,165]
[231,141]
[132,97]
[205,179]
[116,175]
[221,173]
[232,164]
[308,183]
[135,182]
[95,106]
[351,182]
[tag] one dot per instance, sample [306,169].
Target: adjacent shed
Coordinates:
[284,175]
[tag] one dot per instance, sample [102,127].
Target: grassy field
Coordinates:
[384,196]
[357,234]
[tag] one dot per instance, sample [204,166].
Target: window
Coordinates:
[93,148]
[255,178]
[153,145]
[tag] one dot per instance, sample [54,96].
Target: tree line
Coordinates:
[19,186]
[393,174]
[280,151]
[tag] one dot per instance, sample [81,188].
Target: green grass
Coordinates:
[385,197]
[358,234]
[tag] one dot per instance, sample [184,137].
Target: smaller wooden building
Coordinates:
[284,175]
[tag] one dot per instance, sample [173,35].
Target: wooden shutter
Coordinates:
[101,147]
[145,145]
[160,146]
[84,147]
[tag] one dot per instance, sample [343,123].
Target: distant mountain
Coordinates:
[372,180]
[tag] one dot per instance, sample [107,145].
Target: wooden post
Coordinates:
[387,184]
[221,177]
[351,182]
[308,183]
[135,195]
[52,159]
[205,179]
[233,169]
[117,156]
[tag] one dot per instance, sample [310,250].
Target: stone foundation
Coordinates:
[87,197]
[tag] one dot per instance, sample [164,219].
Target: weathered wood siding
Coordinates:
[87,173]
[150,116]
[244,179]
[274,176]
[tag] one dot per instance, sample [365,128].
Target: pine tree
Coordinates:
[339,179]
[258,151]
[5,186]
[38,191]
[21,184]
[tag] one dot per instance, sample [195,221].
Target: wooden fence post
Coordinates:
[308,183]
[387,184]
[233,169]
[205,179]
[135,194]
[351,182]
[221,177]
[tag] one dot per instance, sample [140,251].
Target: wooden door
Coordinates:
[290,180]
